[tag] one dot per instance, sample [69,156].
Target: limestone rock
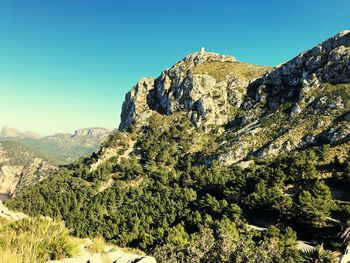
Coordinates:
[314,83]
[135,107]
[109,254]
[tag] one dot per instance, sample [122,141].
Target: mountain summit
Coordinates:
[206,86]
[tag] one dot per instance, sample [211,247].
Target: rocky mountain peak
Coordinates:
[95,132]
[205,86]
[301,103]
[201,57]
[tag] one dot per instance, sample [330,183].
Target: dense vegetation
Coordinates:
[180,205]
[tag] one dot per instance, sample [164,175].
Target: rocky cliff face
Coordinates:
[259,111]
[84,137]
[208,87]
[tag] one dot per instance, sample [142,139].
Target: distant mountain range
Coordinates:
[60,148]
[9,132]
[26,157]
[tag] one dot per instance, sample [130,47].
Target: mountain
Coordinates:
[62,148]
[265,116]
[9,132]
[207,87]
[218,160]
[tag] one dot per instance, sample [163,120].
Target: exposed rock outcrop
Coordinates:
[309,91]
[109,255]
[85,137]
[96,133]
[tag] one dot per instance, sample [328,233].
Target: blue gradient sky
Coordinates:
[67,64]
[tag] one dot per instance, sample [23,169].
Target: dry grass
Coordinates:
[9,255]
[219,70]
[34,240]
[98,245]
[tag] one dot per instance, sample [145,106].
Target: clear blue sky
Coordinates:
[66,64]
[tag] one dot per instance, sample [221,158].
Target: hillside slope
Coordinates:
[220,161]
[20,166]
